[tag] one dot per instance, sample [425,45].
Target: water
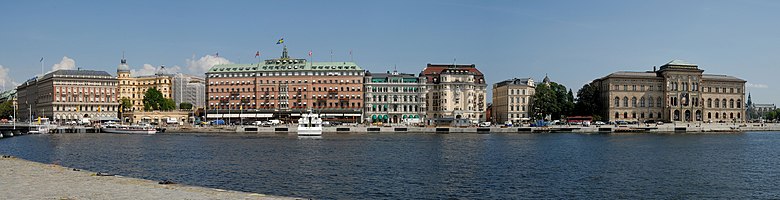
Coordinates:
[428,166]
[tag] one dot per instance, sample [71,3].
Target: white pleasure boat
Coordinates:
[111,127]
[310,125]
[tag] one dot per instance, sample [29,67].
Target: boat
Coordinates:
[38,129]
[111,127]
[310,125]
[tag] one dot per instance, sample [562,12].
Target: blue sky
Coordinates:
[573,42]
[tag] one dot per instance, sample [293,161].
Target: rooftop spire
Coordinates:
[123,61]
[284,52]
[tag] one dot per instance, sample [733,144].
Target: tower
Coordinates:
[123,70]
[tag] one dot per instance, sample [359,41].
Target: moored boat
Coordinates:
[310,125]
[133,129]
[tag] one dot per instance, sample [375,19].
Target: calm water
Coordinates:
[426,166]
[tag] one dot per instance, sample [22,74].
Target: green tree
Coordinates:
[185,106]
[168,104]
[6,110]
[552,100]
[588,102]
[153,98]
[125,104]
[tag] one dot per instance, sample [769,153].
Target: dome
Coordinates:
[546,79]
[123,66]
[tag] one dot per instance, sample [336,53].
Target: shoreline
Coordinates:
[24,179]
[593,129]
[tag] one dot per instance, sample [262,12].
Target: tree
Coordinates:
[6,109]
[588,102]
[125,104]
[552,100]
[185,106]
[153,100]
[168,104]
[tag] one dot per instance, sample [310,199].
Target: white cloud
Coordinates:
[203,64]
[5,81]
[65,63]
[146,70]
[756,85]
[149,69]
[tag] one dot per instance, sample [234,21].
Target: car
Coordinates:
[599,123]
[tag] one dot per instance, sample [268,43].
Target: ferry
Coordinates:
[310,125]
[112,127]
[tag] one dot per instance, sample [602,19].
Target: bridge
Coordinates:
[11,129]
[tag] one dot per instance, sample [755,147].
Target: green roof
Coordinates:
[271,65]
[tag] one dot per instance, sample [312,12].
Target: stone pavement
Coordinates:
[22,179]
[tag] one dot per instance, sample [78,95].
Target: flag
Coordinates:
[41,59]
[309,53]
[99,109]
[281,40]
[217,54]
[257,54]
[350,52]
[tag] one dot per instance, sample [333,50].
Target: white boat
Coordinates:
[134,129]
[310,125]
[38,129]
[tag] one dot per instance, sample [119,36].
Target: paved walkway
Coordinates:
[22,179]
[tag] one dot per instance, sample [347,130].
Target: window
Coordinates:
[625,101]
[617,102]
[633,102]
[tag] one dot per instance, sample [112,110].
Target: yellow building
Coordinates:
[134,88]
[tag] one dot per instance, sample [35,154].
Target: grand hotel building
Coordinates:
[284,88]
[678,92]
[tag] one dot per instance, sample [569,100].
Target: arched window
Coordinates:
[617,102]
[642,103]
[651,115]
[625,114]
[709,103]
[717,105]
[633,102]
[617,115]
[625,101]
[739,105]
[650,103]
[731,105]
[724,106]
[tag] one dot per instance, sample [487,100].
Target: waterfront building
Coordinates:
[678,92]
[134,87]
[284,88]
[455,92]
[69,95]
[173,117]
[394,97]
[189,89]
[512,100]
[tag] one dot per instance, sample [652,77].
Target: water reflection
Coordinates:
[432,166]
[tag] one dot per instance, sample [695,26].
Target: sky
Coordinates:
[573,42]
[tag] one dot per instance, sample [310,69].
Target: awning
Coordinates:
[247,115]
[373,116]
[352,115]
[295,114]
[213,115]
[231,115]
[265,115]
[385,116]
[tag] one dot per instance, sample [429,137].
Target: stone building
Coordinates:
[394,97]
[69,95]
[678,92]
[134,88]
[284,88]
[455,92]
[512,100]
